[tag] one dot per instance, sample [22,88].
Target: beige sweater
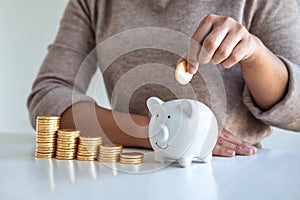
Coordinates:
[138,60]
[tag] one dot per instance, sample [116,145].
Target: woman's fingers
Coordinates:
[221,151]
[201,32]
[238,149]
[229,145]
[211,43]
[232,138]
[239,52]
[226,48]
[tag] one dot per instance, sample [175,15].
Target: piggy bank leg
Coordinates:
[158,157]
[185,162]
[208,158]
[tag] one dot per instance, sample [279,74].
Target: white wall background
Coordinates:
[27,28]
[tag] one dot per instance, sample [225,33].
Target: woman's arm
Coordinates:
[115,127]
[265,75]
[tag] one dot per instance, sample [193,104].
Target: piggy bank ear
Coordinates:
[152,102]
[187,108]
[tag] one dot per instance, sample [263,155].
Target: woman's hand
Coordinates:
[229,145]
[222,40]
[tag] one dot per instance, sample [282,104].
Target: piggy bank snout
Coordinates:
[157,123]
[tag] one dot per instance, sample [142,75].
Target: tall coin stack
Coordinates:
[109,153]
[131,158]
[46,128]
[67,142]
[88,148]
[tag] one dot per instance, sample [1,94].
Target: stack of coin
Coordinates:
[88,147]
[67,142]
[46,128]
[131,158]
[109,153]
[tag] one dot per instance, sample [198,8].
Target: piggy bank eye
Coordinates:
[169,116]
[157,115]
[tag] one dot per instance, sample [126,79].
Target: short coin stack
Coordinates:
[46,129]
[131,158]
[88,148]
[109,153]
[67,142]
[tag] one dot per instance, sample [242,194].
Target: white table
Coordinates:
[271,174]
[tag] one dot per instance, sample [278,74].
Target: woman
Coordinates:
[253,43]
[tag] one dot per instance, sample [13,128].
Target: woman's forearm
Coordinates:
[265,75]
[115,127]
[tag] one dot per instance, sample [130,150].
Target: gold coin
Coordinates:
[65,153]
[83,146]
[67,150]
[90,138]
[65,157]
[86,156]
[46,129]
[48,122]
[131,161]
[45,133]
[45,149]
[48,117]
[66,146]
[67,133]
[87,152]
[46,136]
[73,148]
[44,144]
[44,155]
[108,156]
[181,74]
[110,146]
[70,131]
[83,158]
[110,151]
[131,155]
[60,153]
[95,145]
[105,160]
[67,143]
[46,139]
[67,140]
[66,137]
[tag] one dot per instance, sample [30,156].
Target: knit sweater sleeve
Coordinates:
[58,84]
[277,24]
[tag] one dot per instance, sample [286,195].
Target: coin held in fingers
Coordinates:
[182,75]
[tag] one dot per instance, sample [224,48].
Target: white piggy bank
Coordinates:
[182,130]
